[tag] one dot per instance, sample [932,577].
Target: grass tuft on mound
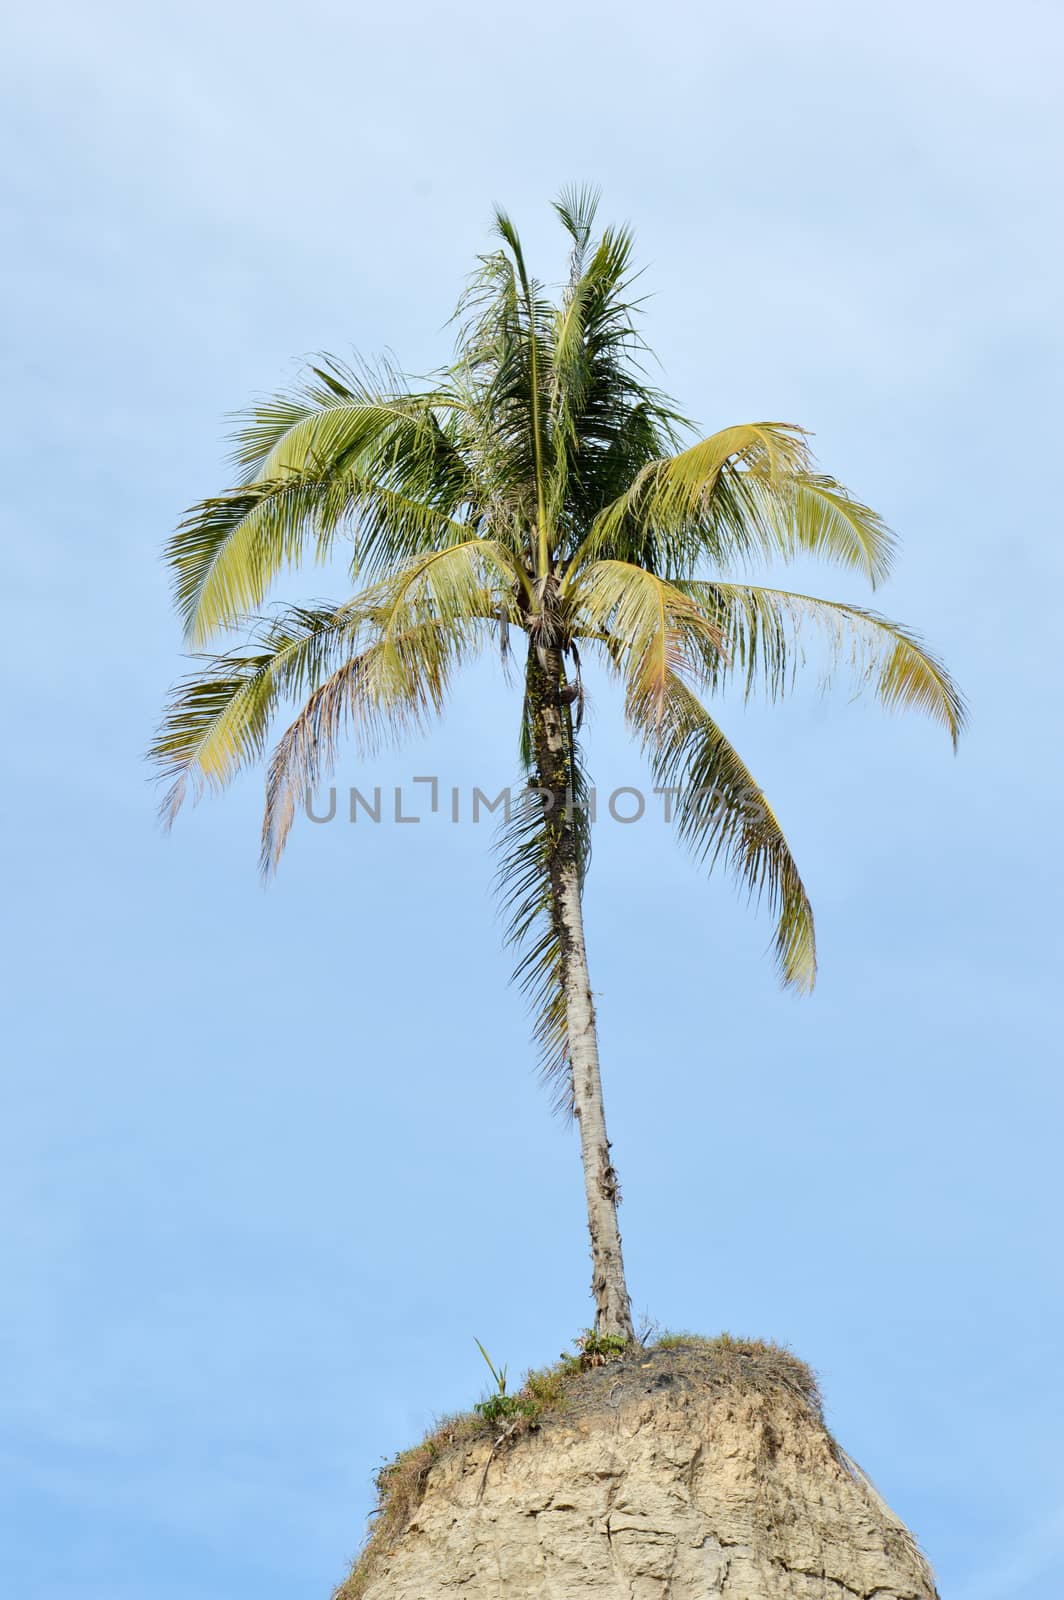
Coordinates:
[760,1363]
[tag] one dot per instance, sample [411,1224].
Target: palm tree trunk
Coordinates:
[552,739]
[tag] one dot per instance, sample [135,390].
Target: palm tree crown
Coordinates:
[539,484]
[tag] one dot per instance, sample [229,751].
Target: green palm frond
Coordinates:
[593,382]
[327,461]
[454,584]
[676,509]
[228,551]
[744,495]
[722,815]
[233,549]
[423,623]
[813,514]
[334,415]
[653,628]
[577,206]
[219,717]
[531,346]
[262,428]
[389,690]
[503,372]
[606,422]
[763,629]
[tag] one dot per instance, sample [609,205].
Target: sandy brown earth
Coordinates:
[672,1475]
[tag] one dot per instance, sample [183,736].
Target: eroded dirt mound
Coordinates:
[675,1474]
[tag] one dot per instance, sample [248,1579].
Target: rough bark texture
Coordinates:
[671,1482]
[613,1314]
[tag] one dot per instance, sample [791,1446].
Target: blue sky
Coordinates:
[269,1161]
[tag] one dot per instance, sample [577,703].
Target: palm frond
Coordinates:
[722,815]
[454,584]
[606,421]
[813,514]
[329,460]
[501,372]
[332,414]
[762,629]
[393,687]
[743,495]
[656,631]
[227,552]
[577,206]
[218,719]
[675,511]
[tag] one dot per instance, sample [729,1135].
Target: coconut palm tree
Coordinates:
[540,485]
